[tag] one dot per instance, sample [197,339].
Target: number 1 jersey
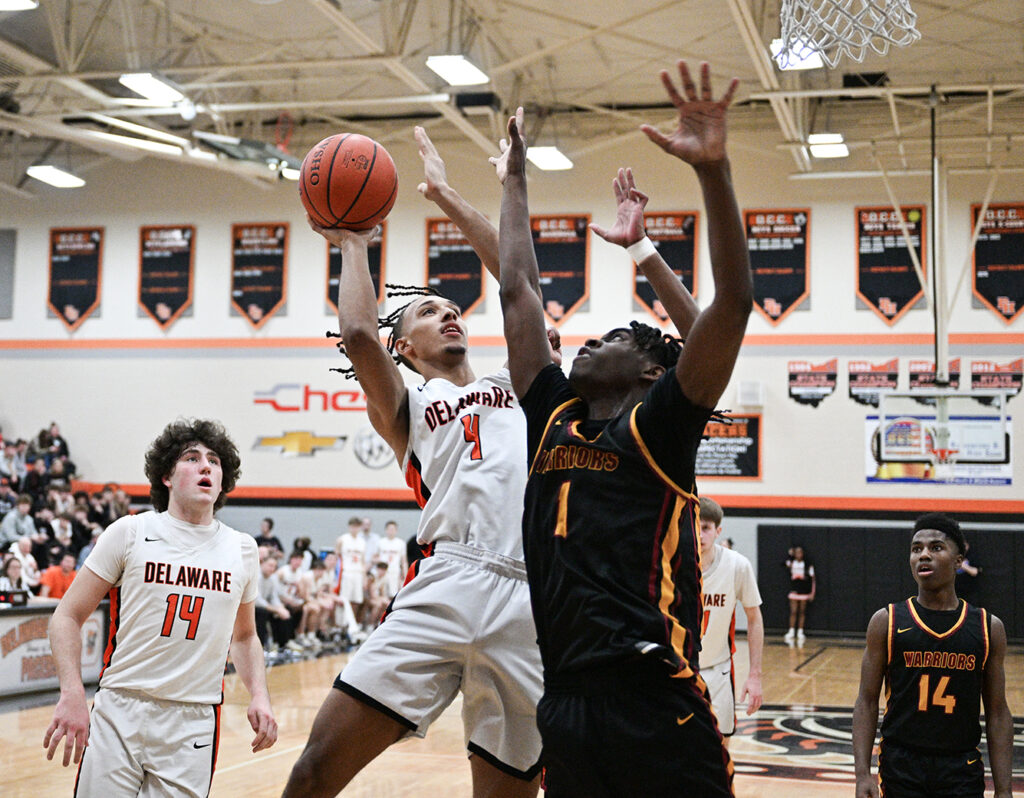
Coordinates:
[177,589]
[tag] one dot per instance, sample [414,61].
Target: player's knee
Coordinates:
[308,777]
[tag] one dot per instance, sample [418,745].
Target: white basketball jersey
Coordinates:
[353,555]
[466,461]
[391,551]
[177,589]
[729,580]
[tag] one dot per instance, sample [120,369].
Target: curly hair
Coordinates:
[393,323]
[176,437]
[663,349]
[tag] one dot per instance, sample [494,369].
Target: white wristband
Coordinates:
[641,250]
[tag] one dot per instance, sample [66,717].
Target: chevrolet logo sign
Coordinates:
[301,444]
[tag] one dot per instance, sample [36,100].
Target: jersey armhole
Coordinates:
[891,611]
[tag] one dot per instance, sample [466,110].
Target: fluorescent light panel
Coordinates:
[138,144]
[142,130]
[457,70]
[151,87]
[54,176]
[18,5]
[828,145]
[288,173]
[550,159]
[799,57]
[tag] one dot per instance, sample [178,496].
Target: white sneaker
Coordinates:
[788,637]
[295,645]
[800,638]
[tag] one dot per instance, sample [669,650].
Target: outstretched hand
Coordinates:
[339,235]
[501,162]
[435,178]
[629,212]
[700,136]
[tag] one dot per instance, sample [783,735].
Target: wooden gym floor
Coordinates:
[798,744]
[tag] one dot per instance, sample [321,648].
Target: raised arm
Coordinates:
[528,348]
[714,341]
[998,720]
[477,228]
[386,398]
[865,711]
[628,232]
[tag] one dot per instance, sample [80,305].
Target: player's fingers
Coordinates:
[670,88]
[730,92]
[520,123]
[638,196]
[49,734]
[705,81]
[422,188]
[688,86]
[81,741]
[628,174]
[655,135]
[617,189]
[599,231]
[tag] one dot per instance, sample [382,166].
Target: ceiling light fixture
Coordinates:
[828,145]
[136,143]
[799,56]
[152,87]
[18,5]
[142,130]
[47,173]
[457,70]
[550,159]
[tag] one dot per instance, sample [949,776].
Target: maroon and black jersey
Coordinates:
[610,528]
[933,681]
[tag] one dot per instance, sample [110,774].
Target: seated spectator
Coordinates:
[302,545]
[36,482]
[64,532]
[377,597]
[9,465]
[21,447]
[58,449]
[294,589]
[121,503]
[83,529]
[56,579]
[18,522]
[59,477]
[316,582]
[22,552]
[86,550]
[266,537]
[11,577]
[8,496]
[269,606]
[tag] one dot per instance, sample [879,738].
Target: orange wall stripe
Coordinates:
[768,339]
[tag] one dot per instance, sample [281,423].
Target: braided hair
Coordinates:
[392,323]
[660,347]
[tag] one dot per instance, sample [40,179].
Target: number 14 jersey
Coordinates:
[177,589]
[934,676]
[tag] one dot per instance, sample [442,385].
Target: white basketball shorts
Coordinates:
[352,586]
[722,691]
[141,746]
[462,623]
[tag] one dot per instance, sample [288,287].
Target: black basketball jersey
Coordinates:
[934,677]
[610,528]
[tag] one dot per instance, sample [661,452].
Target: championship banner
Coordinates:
[868,380]
[76,270]
[777,240]
[166,258]
[375,255]
[731,450]
[999,259]
[26,661]
[886,279]
[454,269]
[1001,376]
[562,247]
[258,270]
[809,383]
[675,236]
[922,377]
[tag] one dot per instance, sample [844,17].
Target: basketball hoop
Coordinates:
[833,28]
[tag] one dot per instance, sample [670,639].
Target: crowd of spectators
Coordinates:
[300,607]
[47,529]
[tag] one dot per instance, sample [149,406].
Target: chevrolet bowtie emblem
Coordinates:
[302,443]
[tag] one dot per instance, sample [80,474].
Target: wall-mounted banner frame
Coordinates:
[867,380]
[731,450]
[674,233]
[886,279]
[777,240]
[166,271]
[809,383]
[76,273]
[375,255]
[259,269]
[999,259]
[454,269]
[1002,376]
[562,246]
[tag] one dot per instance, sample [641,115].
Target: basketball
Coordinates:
[348,180]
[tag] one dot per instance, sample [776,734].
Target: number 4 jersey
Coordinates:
[934,677]
[466,462]
[177,589]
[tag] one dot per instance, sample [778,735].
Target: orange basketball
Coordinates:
[348,180]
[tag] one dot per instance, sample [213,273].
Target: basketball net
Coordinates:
[834,28]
